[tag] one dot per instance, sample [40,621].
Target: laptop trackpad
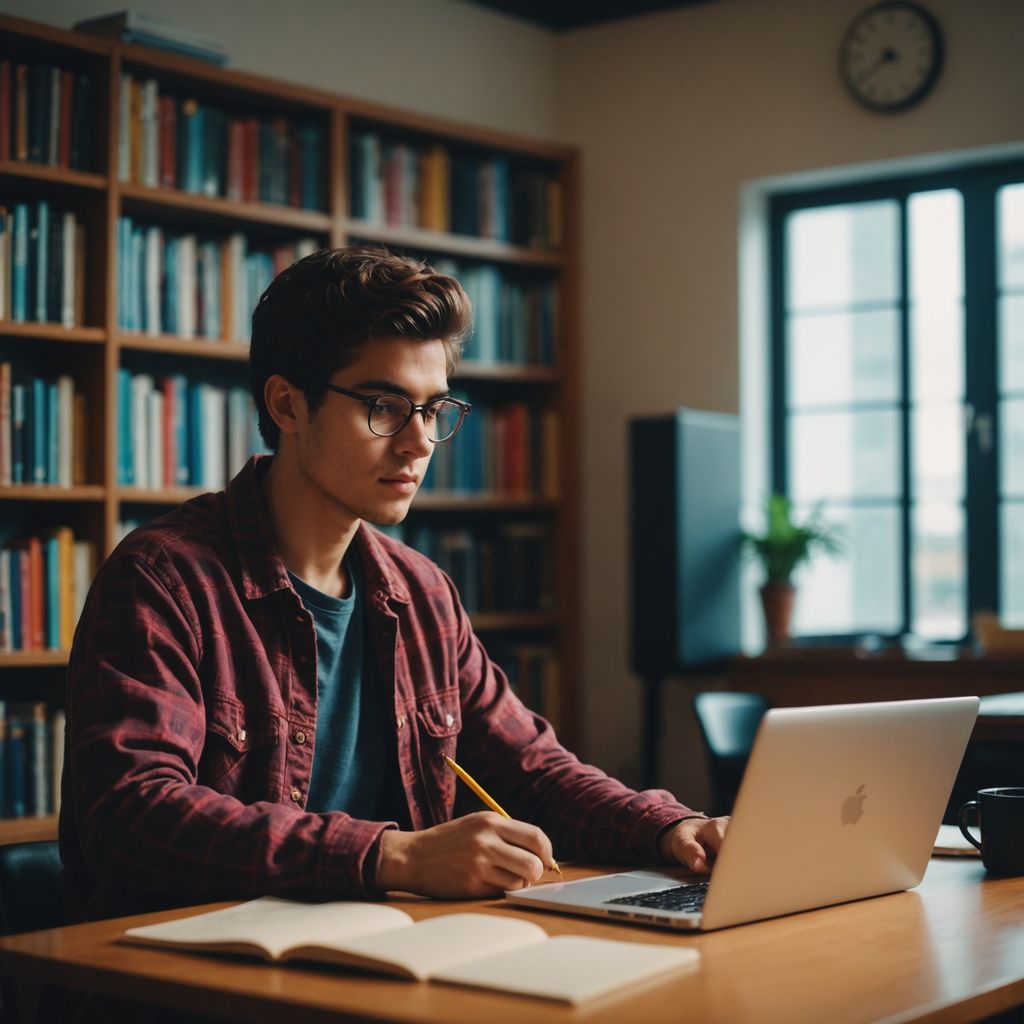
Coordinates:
[610,886]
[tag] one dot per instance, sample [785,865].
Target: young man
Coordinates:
[263,688]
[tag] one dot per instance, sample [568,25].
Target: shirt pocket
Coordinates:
[240,747]
[439,721]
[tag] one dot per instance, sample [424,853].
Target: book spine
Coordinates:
[42,253]
[51,592]
[16,796]
[6,478]
[65,430]
[20,112]
[19,264]
[53,119]
[6,104]
[38,431]
[124,128]
[68,270]
[57,728]
[81,123]
[18,433]
[6,609]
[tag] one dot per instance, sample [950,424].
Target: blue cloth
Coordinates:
[350,753]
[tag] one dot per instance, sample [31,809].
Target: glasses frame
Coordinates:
[371,400]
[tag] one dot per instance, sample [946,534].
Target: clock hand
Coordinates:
[888,56]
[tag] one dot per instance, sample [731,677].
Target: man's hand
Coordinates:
[479,855]
[694,842]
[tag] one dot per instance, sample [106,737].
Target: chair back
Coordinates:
[29,887]
[728,723]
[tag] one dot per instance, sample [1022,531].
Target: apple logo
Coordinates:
[853,807]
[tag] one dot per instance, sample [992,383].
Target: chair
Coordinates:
[29,900]
[728,722]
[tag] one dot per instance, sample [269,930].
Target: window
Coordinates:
[898,397]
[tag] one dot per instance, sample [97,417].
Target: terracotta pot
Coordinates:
[778,599]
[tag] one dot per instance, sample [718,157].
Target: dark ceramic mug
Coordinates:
[1001,821]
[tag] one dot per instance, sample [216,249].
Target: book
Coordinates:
[147,30]
[950,842]
[479,950]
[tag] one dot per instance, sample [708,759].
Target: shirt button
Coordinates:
[300,737]
[401,721]
[241,735]
[296,795]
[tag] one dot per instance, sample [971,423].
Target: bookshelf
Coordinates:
[509,230]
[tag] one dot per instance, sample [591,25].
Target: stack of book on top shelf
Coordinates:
[46,115]
[31,759]
[146,30]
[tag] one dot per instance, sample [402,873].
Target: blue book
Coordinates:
[181,423]
[195,434]
[124,231]
[18,433]
[169,319]
[19,267]
[137,316]
[51,592]
[193,114]
[42,274]
[502,229]
[37,429]
[14,583]
[52,434]
[125,455]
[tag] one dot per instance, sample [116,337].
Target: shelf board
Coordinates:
[158,496]
[453,245]
[513,373]
[496,622]
[32,659]
[27,830]
[204,348]
[51,175]
[227,209]
[51,492]
[33,330]
[443,501]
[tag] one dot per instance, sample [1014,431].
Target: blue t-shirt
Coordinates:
[351,751]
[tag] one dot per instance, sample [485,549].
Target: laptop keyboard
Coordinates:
[687,898]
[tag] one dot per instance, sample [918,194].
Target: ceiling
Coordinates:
[563,15]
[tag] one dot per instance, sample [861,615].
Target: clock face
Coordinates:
[891,55]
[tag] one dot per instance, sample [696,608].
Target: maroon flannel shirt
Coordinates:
[191,718]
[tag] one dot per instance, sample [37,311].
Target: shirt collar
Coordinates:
[262,569]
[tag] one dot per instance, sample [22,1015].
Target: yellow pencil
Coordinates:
[486,797]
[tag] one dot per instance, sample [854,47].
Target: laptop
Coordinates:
[837,803]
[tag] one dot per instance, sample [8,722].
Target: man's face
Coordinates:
[361,475]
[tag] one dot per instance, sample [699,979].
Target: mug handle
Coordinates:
[964,811]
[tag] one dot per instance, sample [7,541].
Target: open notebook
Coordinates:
[481,950]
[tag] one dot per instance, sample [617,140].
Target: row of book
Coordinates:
[176,432]
[43,582]
[443,189]
[194,286]
[532,671]
[42,264]
[31,759]
[508,448]
[46,115]
[43,430]
[172,141]
[513,321]
[497,568]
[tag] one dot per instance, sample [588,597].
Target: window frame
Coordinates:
[978,185]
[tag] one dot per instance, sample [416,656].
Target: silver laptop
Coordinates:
[837,803]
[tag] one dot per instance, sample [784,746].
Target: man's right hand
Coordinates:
[480,855]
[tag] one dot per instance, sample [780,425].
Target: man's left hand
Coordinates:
[694,842]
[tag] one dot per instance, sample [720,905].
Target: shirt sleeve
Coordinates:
[513,752]
[136,731]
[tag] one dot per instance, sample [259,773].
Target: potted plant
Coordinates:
[782,547]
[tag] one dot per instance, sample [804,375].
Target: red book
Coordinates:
[64,120]
[37,589]
[252,161]
[167,126]
[5,110]
[20,144]
[236,160]
[170,434]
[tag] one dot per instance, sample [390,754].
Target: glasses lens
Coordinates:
[443,419]
[389,414]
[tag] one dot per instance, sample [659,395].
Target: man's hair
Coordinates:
[321,311]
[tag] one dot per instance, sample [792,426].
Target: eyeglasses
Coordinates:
[388,414]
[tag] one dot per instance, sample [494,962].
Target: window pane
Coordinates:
[843,358]
[1011,343]
[1011,448]
[844,455]
[858,591]
[937,351]
[843,255]
[939,572]
[1011,571]
[937,444]
[1010,220]
[935,238]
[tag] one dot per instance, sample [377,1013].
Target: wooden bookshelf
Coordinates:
[94,352]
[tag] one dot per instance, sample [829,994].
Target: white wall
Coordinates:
[676,114]
[442,57]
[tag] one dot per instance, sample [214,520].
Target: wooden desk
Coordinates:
[950,950]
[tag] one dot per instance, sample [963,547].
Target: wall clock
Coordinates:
[891,55]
